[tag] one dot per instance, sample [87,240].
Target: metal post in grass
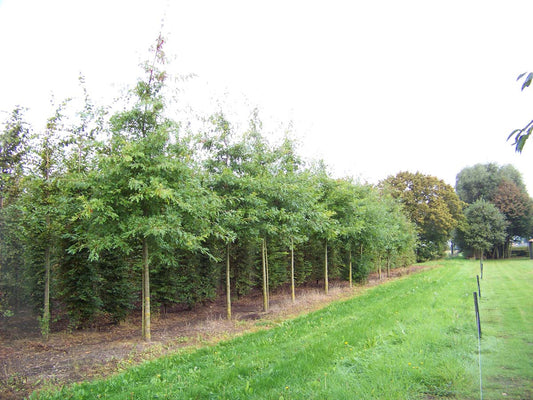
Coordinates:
[476,305]
[478,286]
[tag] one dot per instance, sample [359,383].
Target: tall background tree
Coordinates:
[517,208]
[431,205]
[484,228]
[503,187]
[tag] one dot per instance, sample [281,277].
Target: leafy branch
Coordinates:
[521,135]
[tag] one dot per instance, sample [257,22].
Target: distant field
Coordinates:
[413,338]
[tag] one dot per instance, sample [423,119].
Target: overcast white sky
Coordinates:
[372,87]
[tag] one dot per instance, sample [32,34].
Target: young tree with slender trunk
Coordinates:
[43,211]
[13,150]
[148,195]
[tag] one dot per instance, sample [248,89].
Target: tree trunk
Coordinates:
[326,283]
[228,284]
[379,267]
[293,296]
[143,329]
[350,267]
[265,276]
[45,322]
[16,290]
[147,334]
[361,262]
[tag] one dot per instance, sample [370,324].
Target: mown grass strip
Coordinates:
[414,338]
[506,310]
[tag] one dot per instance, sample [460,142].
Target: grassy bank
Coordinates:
[414,338]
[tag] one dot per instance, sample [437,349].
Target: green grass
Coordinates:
[506,310]
[414,338]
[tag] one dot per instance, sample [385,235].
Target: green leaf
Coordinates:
[527,81]
[513,133]
[521,141]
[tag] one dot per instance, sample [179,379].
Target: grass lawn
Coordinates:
[413,338]
[506,310]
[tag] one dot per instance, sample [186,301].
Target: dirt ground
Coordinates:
[28,363]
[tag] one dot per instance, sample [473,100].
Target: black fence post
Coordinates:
[476,305]
[478,286]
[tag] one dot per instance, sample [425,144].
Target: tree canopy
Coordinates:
[501,186]
[484,227]
[431,205]
[108,213]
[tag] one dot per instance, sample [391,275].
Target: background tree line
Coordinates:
[103,212]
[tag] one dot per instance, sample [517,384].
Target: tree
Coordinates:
[149,203]
[522,135]
[387,233]
[477,182]
[502,186]
[325,227]
[238,172]
[431,205]
[370,213]
[263,184]
[13,149]
[484,228]
[344,200]
[517,207]
[80,283]
[481,181]
[43,212]
[297,200]
[223,170]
